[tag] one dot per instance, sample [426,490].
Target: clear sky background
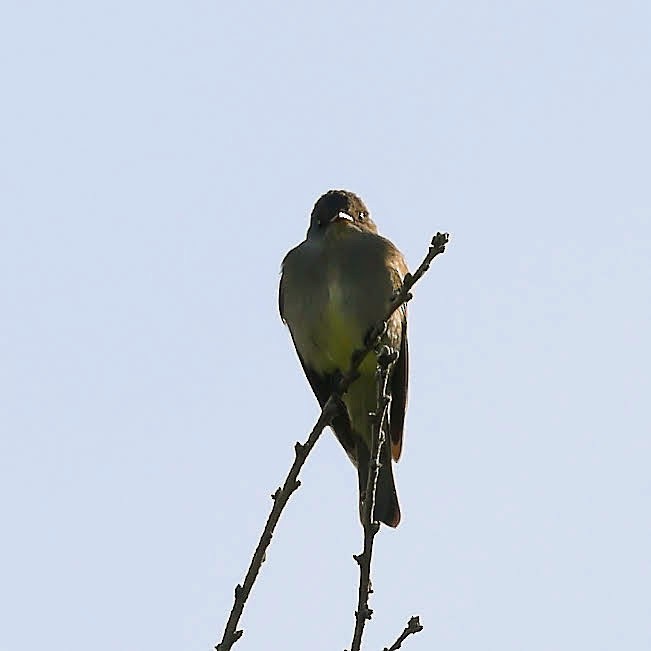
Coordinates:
[158,159]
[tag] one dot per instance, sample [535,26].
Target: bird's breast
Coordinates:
[336,333]
[334,296]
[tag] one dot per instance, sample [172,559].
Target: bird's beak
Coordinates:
[344,215]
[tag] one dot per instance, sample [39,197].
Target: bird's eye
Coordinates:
[362,216]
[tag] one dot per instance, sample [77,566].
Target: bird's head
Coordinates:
[340,209]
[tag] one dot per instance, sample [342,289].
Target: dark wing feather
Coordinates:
[399,382]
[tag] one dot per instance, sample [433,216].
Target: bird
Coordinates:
[334,287]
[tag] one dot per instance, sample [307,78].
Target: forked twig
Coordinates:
[280,498]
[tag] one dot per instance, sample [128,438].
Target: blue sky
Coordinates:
[157,160]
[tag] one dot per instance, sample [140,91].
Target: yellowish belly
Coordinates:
[339,334]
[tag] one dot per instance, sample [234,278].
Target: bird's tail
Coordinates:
[386,509]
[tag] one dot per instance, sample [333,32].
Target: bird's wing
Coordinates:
[400,375]
[399,383]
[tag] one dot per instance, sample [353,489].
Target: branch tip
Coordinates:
[413,626]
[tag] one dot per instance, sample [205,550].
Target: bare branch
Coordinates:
[280,499]
[413,626]
[329,411]
[385,360]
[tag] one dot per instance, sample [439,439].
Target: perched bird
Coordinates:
[334,287]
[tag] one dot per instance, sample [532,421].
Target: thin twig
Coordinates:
[280,499]
[385,360]
[413,626]
[330,409]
